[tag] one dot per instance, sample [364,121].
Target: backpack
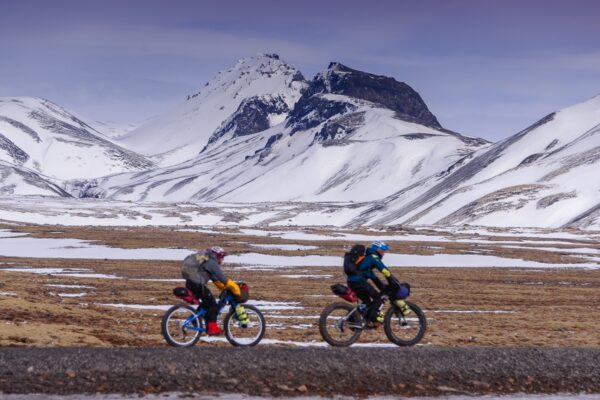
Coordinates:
[353,258]
[190,269]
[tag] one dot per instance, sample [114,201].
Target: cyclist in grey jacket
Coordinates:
[208,268]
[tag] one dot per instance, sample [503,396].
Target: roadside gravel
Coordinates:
[300,372]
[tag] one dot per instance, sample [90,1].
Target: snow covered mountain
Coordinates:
[263,83]
[350,136]
[546,175]
[44,138]
[113,130]
[260,132]
[15,180]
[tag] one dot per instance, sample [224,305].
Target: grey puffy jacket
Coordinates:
[202,272]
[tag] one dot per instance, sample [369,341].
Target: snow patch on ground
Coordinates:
[473,311]
[75,248]
[263,305]
[68,294]
[136,306]
[290,247]
[70,272]
[70,286]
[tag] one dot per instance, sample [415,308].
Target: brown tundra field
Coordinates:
[106,302]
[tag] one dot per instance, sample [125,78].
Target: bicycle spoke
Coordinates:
[248,334]
[340,325]
[405,330]
[180,326]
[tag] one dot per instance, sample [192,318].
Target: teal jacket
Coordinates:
[366,266]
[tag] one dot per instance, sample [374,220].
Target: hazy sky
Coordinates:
[485,68]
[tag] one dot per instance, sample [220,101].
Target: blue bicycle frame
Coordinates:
[226,298]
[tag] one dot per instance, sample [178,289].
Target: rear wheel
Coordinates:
[246,335]
[405,330]
[179,326]
[340,324]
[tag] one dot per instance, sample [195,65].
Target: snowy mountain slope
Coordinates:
[546,175]
[261,81]
[113,130]
[15,180]
[45,138]
[331,147]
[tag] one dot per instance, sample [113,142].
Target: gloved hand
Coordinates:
[233,287]
[392,280]
[220,285]
[386,272]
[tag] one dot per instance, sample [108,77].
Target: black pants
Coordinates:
[208,301]
[368,295]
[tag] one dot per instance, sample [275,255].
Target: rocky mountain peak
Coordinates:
[263,63]
[382,90]
[259,71]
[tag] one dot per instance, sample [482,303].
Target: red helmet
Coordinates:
[218,252]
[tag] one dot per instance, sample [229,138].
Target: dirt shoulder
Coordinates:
[288,371]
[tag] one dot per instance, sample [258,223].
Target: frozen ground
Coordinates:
[123,273]
[19,245]
[97,212]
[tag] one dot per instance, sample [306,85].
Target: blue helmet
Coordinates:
[379,245]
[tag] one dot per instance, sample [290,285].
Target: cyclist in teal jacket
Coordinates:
[359,281]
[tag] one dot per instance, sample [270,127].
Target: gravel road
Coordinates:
[300,372]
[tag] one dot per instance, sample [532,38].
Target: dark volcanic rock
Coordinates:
[382,90]
[252,116]
[311,111]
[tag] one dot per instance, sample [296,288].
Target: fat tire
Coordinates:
[323,325]
[232,340]
[164,328]
[391,314]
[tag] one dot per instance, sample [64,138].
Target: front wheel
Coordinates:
[245,335]
[340,324]
[180,327]
[405,330]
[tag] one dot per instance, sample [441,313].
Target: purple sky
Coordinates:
[485,68]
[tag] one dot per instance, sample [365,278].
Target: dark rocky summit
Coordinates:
[314,107]
[382,90]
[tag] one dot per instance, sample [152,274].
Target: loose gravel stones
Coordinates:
[301,372]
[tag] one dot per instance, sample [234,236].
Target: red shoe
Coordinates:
[213,329]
